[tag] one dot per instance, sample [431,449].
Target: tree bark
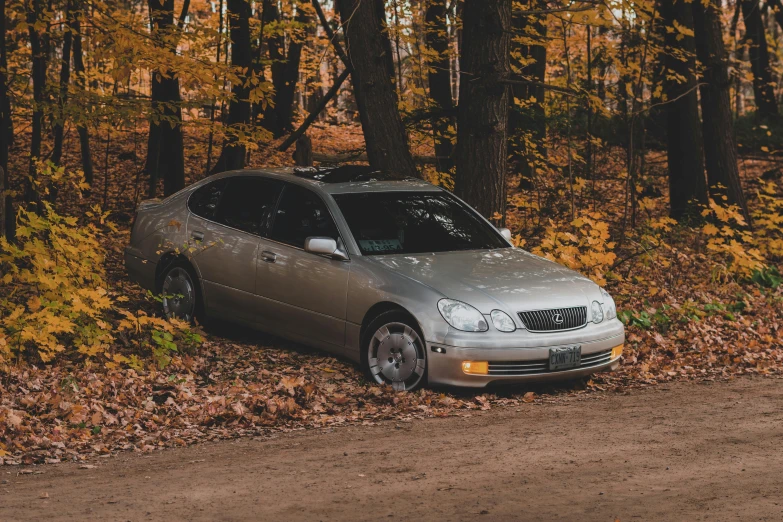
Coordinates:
[165,149]
[232,156]
[34,13]
[369,51]
[687,182]
[78,67]
[65,78]
[763,84]
[439,80]
[720,145]
[482,112]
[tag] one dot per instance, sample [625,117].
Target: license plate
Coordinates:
[565,357]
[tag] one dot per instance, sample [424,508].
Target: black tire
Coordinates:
[403,351]
[184,273]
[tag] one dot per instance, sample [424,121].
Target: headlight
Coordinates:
[609,306]
[462,316]
[597,313]
[502,321]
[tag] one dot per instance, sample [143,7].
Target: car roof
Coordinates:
[341,179]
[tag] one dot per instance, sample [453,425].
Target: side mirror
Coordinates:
[506,233]
[325,246]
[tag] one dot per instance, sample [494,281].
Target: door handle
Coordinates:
[198,236]
[269,257]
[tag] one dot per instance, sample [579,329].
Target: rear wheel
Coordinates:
[180,292]
[395,353]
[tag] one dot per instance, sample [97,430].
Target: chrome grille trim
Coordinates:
[541,320]
[519,368]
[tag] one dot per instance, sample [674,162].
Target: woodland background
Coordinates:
[637,142]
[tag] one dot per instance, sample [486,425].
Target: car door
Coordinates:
[228,217]
[309,290]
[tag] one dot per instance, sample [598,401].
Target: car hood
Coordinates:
[508,279]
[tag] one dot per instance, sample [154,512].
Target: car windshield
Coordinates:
[414,223]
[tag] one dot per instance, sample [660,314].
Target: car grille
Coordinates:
[544,320]
[516,368]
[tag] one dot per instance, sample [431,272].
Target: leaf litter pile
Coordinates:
[231,389]
[687,317]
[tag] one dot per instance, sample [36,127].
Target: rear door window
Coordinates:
[247,203]
[204,201]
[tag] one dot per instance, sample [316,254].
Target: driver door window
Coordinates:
[301,214]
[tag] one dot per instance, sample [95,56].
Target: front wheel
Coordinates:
[395,352]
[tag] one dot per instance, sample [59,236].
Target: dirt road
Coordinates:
[675,452]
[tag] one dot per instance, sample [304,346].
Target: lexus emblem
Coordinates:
[557,318]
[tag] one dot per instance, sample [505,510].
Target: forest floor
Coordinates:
[678,451]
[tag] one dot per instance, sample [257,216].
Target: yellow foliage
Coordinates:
[582,246]
[734,246]
[54,297]
[768,222]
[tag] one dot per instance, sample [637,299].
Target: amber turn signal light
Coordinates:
[475,367]
[617,351]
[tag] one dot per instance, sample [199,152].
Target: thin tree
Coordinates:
[482,113]
[720,145]
[165,148]
[370,54]
[6,131]
[278,117]
[81,83]
[529,119]
[763,85]
[687,183]
[439,80]
[38,49]
[233,154]
[65,77]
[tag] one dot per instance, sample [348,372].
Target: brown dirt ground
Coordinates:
[681,451]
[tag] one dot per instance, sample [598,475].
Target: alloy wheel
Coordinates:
[396,356]
[179,294]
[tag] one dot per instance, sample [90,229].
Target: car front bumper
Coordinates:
[524,360]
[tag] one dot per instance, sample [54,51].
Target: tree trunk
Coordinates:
[369,50]
[684,146]
[285,86]
[65,78]
[483,105]
[232,156]
[39,91]
[6,209]
[276,48]
[530,119]
[278,117]
[439,79]
[763,85]
[720,145]
[78,67]
[165,149]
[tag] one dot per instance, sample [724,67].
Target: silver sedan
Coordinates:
[397,274]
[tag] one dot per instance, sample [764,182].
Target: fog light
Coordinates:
[617,351]
[475,367]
